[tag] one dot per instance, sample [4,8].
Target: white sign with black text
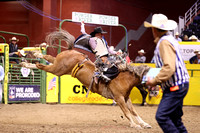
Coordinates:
[187,50]
[95,18]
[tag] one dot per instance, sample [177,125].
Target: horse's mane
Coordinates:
[139,71]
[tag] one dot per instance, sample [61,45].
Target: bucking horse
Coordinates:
[72,62]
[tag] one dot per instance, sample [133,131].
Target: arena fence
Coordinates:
[40,86]
[192,12]
[22,84]
[17,34]
[75,92]
[4,61]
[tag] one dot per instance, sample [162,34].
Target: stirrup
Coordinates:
[96,80]
[96,77]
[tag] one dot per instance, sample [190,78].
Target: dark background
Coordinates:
[132,13]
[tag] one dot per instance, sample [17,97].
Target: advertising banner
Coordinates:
[187,49]
[51,88]
[73,91]
[24,93]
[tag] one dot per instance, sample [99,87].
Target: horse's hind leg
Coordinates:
[49,68]
[56,68]
[48,58]
[121,102]
[134,113]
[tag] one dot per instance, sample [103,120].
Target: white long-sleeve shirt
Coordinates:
[94,41]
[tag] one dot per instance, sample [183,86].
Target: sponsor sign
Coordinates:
[25,71]
[187,49]
[24,93]
[1,48]
[52,88]
[73,91]
[95,18]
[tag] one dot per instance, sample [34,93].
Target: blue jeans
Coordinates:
[170,111]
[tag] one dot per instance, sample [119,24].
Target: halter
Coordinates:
[77,67]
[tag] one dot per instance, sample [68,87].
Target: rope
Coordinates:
[90,86]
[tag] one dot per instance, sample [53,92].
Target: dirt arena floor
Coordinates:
[77,118]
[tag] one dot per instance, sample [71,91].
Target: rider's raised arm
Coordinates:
[83,28]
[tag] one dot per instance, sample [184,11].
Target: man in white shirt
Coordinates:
[177,37]
[140,58]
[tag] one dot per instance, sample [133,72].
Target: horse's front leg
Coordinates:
[144,93]
[121,102]
[134,113]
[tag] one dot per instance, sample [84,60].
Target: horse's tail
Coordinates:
[60,35]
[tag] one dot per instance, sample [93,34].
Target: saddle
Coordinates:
[110,69]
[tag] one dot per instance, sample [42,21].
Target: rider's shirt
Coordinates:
[101,48]
[98,45]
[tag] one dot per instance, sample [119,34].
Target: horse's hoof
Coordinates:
[146,126]
[135,126]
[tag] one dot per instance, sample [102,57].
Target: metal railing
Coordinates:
[192,12]
[15,76]
[18,34]
[3,38]
[192,71]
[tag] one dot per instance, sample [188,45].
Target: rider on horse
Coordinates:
[100,48]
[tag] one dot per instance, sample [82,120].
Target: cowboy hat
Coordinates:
[22,52]
[196,51]
[161,21]
[14,39]
[141,51]
[97,30]
[177,34]
[193,37]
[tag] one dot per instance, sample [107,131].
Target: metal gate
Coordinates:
[26,85]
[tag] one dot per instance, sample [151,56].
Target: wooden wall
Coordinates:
[132,13]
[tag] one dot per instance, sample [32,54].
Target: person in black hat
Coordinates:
[98,43]
[100,47]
